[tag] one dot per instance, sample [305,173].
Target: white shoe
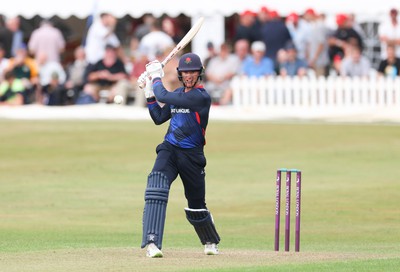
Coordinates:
[211,249]
[152,251]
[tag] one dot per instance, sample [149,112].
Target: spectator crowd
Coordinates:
[264,44]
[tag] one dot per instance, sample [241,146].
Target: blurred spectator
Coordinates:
[258,64]
[247,27]
[389,33]
[342,37]
[211,52]
[138,67]
[391,65]
[145,27]
[354,64]
[255,65]
[263,16]
[273,14]
[298,31]
[51,81]
[11,90]
[18,36]
[293,65]
[281,58]
[23,65]
[219,73]
[100,33]
[25,68]
[356,26]
[76,74]
[55,93]
[242,50]
[322,20]
[316,54]
[155,41]
[169,27]
[275,35]
[47,68]
[11,37]
[47,39]
[131,54]
[4,62]
[6,38]
[108,75]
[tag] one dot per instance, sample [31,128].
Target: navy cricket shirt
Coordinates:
[188,113]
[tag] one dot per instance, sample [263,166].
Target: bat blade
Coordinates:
[182,44]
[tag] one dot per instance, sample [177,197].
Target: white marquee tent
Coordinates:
[82,8]
[213,10]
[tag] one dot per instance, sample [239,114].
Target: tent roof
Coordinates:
[83,8]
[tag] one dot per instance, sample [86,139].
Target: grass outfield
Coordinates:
[72,197]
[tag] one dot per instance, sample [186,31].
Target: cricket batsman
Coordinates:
[181,153]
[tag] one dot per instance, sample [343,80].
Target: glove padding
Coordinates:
[155,69]
[145,81]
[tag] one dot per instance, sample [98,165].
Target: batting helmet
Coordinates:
[190,62]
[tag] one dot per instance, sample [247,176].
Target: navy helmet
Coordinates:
[189,62]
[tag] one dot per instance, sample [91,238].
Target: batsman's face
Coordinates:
[189,78]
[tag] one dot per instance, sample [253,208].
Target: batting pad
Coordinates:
[156,199]
[203,223]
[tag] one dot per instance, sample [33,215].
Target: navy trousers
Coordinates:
[189,165]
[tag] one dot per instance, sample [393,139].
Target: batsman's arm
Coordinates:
[195,99]
[158,114]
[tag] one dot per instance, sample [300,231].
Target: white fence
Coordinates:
[316,93]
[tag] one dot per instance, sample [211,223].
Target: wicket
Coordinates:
[287,208]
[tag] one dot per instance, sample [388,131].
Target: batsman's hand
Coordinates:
[145,81]
[155,69]
[142,80]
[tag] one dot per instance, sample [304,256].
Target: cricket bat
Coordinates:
[182,44]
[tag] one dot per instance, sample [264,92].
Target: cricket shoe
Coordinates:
[211,249]
[153,251]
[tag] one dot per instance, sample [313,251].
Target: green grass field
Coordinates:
[72,197]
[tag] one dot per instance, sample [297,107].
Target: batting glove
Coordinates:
[148,89]
[154,69]
[142,80]
[147,86]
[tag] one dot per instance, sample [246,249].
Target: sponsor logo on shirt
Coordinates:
[180,110]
